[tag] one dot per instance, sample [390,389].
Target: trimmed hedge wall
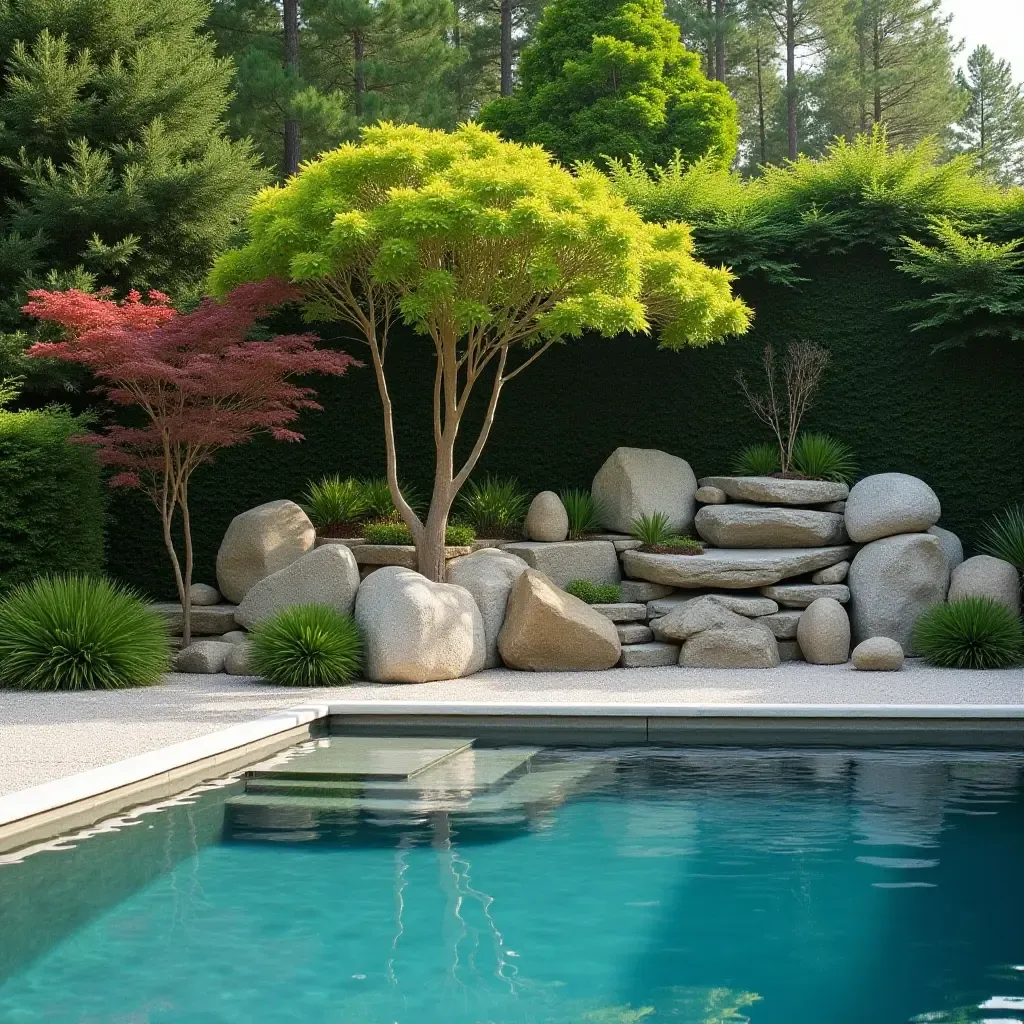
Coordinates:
[51,500]
[953,418]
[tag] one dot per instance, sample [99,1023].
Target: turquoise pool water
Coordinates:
[691,886]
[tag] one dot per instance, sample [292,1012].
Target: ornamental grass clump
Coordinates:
[757,460]
[307,645]
[378,501]
[651,529]
[974,632]
[584,511]
[335,506]
[73,632]
[594,593]
[1003,536]
[495,507]
[821,457]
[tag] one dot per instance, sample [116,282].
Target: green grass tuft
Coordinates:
[495,507]
[821,457]
[307,645]
[757,460]
[380,504]
[394,531]
[1003,536]
[975,632]
[73,632]
[594,593]
[651,529]
[584,511]
[332,501]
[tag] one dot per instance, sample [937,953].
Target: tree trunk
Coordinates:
[359,82]
[291,64]
[430,550]
[762,131]
[709,49]
[791,139]
[876,66]
[720,40]
[506,47]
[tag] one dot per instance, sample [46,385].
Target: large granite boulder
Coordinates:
[951,544]
[415,630]
[547,629]
[768,526]
[878,654]
[985,576]
[547,519]
[824,632]
[694,617]
[326,575]
[258,543]
[641,481]
[731,568]
[594,560]
[892,582]
[773,490]
[746,646]
[488,574]
[888,504]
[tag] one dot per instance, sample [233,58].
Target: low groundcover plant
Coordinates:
[594,593]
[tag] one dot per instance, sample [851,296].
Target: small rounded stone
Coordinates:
[711,495]
[878,654]
[547,519]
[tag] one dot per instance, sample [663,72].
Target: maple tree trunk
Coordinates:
[506,47]
[291,63]
[184,598]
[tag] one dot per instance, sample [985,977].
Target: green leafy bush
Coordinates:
[495,507]
[72,632]
[51,500]
[1003,536]
[594,593]
[821,457]
[307,645]
[651,529]
[974,632]
[394,531]
[380,504]
[757,460]
[332,503]
[584,511]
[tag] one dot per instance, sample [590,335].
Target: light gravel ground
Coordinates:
[45,736]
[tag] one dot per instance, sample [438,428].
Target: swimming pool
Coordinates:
[525,886]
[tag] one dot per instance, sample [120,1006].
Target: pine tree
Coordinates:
[992,127]
[604,78]
[114,165]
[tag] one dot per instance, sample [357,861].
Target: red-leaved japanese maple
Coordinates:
[197,380]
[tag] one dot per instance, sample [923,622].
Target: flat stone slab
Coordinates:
[641,590]
[652,655]
[622,612]
[751,605]
[399,554]
[783,624]
[567,560]
[769,526]
[207,620]
[732,568]
[634,633]
[772,490]
[800,595]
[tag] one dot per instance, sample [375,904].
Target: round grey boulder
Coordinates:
[823,632]
[326,575]
[547,519]
[878,654]
[237,661]
[951,544]
[888,504]
[488,574]
[258,543]
[203,595]
[985,576]
[203,657]
[415,630]
[634,482]
[892,582]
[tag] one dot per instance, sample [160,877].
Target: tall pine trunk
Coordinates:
[291,63]
[506,47]
[720,40]
[791,137]
[709,49]
[359,80]
[761,129]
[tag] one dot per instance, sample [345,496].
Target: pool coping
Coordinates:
[74,801]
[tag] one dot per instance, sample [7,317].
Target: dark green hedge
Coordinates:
[953,418]
[51,500]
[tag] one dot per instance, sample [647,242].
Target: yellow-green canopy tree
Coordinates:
[490,251]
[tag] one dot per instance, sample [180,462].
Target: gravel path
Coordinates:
[45,736]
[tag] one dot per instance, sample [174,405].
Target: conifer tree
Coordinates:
[604,78]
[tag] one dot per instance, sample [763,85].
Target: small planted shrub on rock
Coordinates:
[974,632]
[394,531]
[652,529]
[306,645]
[583,510]
[335,506]
[80,633]
[495,507]
[821,457]
[594,593]
[757,460]
[1004,536]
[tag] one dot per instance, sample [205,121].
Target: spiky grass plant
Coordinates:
[651,529]
[333,502]
[974,632]
[757,460]
[822,457]
[380,504]
[307,645]
[584,511]
[1003,536]
[594,593]
[494,507]
[73,632]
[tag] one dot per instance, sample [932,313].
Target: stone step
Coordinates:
[399,554]
[207,620]
[800,595]
[732,568]
[622,612]
[751,605]
[769,526]
[641,590]
[634,633]
[773,490]
[650,655]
